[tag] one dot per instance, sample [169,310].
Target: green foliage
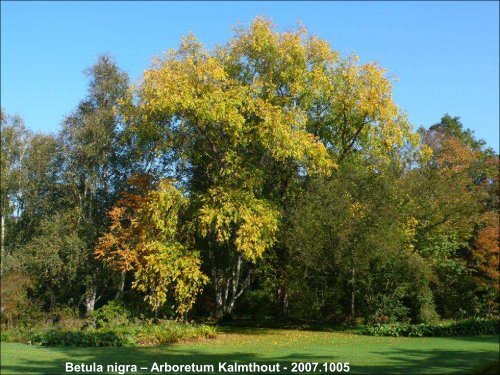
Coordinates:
[271,165]
[17,308]
[469,327]
[111,315]
[15,140]
[94,338]
[452,126]
[350,254]
[55,258]
[111,333]
[451,199]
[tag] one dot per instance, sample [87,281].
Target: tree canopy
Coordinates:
[270,174]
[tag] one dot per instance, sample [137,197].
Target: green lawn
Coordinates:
[365,354]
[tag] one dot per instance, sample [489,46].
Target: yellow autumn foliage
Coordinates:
[237,217]
[144,237]
[264,98]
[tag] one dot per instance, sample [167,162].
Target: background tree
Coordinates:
[456,184]
[54,258]
[65,184]
[350,249]
[14,144]
[94,164]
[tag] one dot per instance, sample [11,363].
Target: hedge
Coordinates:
[469,327]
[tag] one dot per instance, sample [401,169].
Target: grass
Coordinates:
[366,355]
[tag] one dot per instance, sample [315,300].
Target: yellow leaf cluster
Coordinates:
[144,237]
[264,98]
[237,217]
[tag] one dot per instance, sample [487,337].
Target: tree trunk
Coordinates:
[219,305]
[238,285]
[2,254]
[353,291]
[229,288]
[52,300]
[282,307]
[217,283]
[90,298]
[121,286]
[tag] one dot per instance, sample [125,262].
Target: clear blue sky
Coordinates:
[445,54]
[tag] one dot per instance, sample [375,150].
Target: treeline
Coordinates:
[270,176]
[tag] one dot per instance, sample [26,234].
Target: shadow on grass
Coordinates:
[392,361]
[437,361]
[145,357]
[475,339]
[474,353]
[247,325]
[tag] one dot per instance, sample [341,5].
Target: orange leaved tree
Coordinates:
[145,238]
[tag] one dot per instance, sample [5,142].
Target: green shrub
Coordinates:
[469,327]
[134,334]
[91,338]
[13,335]
[111,315]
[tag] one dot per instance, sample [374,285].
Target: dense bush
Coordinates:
[14,335]
[111,315]
[143,334]
[64,337]
[469,327]
[17,309]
